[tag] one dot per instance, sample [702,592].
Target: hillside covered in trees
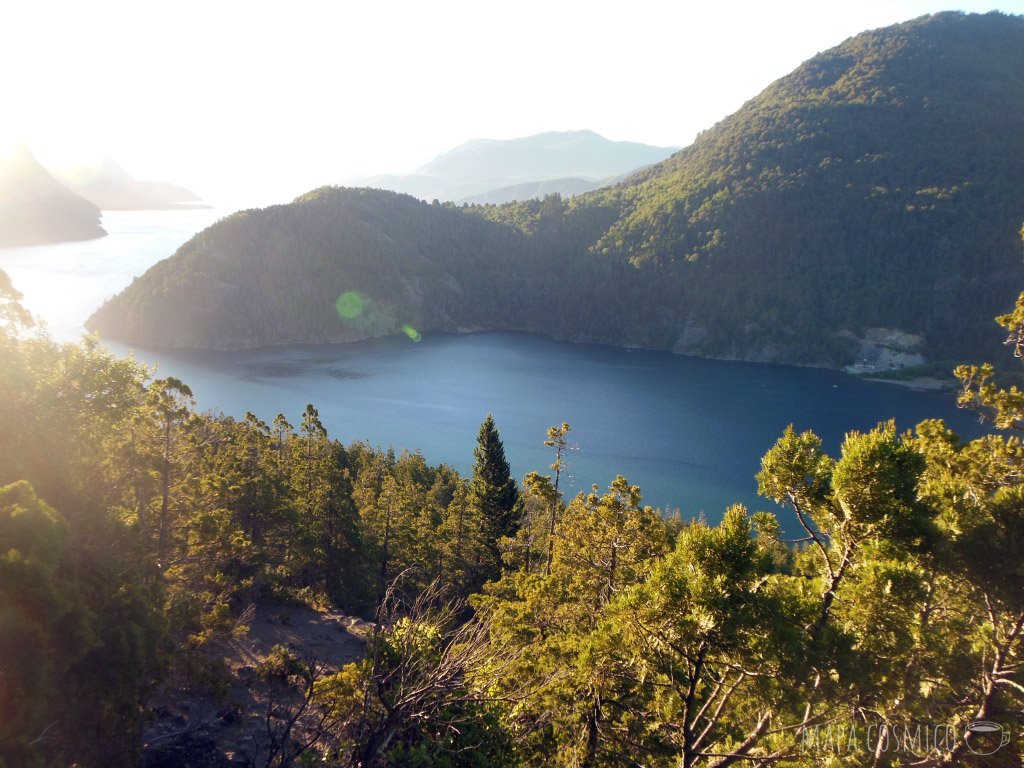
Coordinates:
[876,189]
[507,624]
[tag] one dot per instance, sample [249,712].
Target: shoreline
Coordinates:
[919,383]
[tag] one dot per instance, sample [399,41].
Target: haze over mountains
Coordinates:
[110,187]
[498,171]
[51,205]
[35,208]
[871,198]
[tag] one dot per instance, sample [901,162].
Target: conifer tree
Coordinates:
[323,494]
[494,495]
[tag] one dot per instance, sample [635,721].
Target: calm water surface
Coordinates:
[689,432]
[63,284]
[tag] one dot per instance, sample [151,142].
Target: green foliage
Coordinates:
[880,184]
[493,497]
[979,389]
[43,618]
[854,189]
[708,622]
[281,663]
[420,698]
[13,316]
[175,522]
[135,531]
[555,619]
[200,674]
[76,657]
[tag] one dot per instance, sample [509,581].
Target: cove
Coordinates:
[690,432]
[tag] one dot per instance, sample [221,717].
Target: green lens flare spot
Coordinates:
[411,332]
[349,305]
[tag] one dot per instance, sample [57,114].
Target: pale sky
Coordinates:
[247,101]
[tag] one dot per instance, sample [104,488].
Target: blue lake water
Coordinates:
[689,432]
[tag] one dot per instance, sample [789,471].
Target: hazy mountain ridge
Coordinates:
[879,186]
[109,187]
[536,189]
[553,154]
[35,208]
[492,170]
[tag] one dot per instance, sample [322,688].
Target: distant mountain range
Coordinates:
[35,208]
[864,209]
[528,190]
[107,185]
[51,205]
[499,171]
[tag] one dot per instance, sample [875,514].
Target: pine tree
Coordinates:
[323,495]
[494,495]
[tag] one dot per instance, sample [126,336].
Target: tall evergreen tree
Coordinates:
[494,495]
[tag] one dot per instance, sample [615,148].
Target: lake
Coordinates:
[65,283]
[689,432]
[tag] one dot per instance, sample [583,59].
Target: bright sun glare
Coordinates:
[232,97]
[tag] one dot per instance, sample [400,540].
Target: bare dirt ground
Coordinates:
[230,719]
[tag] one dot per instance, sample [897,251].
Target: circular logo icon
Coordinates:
[984,737]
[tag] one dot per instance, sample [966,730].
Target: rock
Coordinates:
[187,750]
[228,716]
[884,349]
[246,676]
[693,335]
[894,339]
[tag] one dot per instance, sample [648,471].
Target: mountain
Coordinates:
[880,185]
[489,170]
[864,208]
[553,154]
[280,274]
[167,193]
[35,208]
[529,190]
[107,185]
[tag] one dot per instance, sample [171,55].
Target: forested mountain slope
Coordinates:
[277,275]
[879,186]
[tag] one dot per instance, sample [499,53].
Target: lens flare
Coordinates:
[411,332]
[349,305]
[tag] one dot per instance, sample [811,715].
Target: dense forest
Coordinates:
[877,186]
[507,625]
